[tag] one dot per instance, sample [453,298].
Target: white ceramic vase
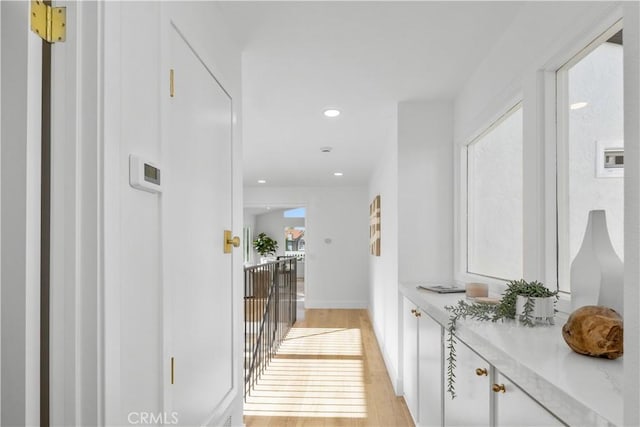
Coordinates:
[597,273]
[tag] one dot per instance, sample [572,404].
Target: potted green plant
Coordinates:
[265,245]
[529,303]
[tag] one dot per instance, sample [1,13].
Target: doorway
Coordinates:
[295,245]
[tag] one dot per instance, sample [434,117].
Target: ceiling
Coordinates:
[359,57]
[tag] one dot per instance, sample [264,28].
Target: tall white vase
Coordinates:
[597,273]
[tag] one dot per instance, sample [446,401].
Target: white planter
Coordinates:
[543,309]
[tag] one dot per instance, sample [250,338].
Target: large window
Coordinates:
[494,199]
[590,147]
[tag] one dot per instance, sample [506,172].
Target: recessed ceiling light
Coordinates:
[578,105]
[262,181]
[338,174]
[331,112]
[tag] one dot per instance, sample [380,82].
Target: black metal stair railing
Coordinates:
[269,313]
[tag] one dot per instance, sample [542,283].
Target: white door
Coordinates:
[20,148]
[196,176]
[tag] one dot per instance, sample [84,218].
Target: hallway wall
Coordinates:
[414,180]
[383,269]
[337,236]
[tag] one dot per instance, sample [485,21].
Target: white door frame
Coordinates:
[77,200]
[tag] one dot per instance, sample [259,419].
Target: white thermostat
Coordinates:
[144,175]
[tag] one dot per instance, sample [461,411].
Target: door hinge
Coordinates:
[50,23]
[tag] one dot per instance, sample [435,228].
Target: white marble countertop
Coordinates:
[580,390]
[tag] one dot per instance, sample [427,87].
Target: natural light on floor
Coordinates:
[318,372]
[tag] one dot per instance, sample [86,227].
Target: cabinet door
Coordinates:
[410,357]
[515,408]
[471,407]
[430,352]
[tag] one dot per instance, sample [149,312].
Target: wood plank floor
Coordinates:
[328,372]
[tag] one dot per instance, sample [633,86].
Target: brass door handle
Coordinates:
[413,311]
[230,242]
[417,313]
[498,388]
[481,371]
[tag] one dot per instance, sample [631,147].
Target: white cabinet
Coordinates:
[430,353]
[514,408]
[422,365]
[484,397]
[472,404]
[410,357]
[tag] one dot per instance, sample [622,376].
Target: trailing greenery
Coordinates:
[462,310]
[505,309]
[265,245]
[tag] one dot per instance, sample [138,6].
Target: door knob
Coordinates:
[481,371]
[498,388]
[230,242]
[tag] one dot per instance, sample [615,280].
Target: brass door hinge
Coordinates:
[50,23]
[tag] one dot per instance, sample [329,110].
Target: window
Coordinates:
[590,147]
[494,199]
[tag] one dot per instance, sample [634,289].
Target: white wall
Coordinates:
[383,269]
[337,240]
[135,87]
[414,180]
[425,191]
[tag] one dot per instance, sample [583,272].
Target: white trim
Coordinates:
[1,62]
[394,376]
[632,214]
[77,316]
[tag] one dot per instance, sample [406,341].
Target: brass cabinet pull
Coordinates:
[481,371]
[498,388]
[413,311]
[418,314]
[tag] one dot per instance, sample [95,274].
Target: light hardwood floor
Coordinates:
[328,372]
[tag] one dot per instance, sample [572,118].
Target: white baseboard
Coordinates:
[396,382]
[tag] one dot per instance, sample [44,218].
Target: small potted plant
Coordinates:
[265,246]
[529,303]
